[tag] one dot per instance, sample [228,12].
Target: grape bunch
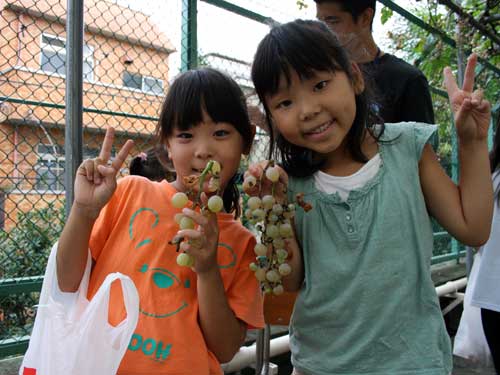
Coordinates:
[195,186]
[273,220]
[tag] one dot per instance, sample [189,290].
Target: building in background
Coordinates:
[125,77]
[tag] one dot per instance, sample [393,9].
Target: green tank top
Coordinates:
[368,304]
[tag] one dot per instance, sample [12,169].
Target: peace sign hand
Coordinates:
[471,111]
[95,180]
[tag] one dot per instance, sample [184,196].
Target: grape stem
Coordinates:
[208,169]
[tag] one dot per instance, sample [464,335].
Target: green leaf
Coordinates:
[385,15]
[301,4]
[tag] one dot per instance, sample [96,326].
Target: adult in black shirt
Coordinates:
[400,90]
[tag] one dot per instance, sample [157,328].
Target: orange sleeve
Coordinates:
[244,294]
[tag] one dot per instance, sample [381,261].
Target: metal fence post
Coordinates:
[189,44]
[74,101]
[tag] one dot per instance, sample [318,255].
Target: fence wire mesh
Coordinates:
[131,52]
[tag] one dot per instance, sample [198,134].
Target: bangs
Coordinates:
[204,90]
[277,56]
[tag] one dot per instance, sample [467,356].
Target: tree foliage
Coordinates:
[431,54]
[24,250]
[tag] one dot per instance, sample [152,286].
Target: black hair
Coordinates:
[217,94]
[151,164]
[306,47]
[354,7]
[495,155]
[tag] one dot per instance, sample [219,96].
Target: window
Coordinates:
[147,84]
[53,59]
[153,85]
[50,166]
[133,81]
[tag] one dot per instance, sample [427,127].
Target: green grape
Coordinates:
[215,170]
[186,223]
[215,203]
[260,249]
[258,214]
[180,200]
[260,274]
[183,259]
[268,201]
[190,261]
[273,218]
[277,209]
[273,276]
[253,267]
[254,203]
[285,230]
[248,213]
[278,289]
[178,217]
[284,269]
[272,231]
[282,253]
[273,174]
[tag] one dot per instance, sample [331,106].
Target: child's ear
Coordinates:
[167,148]
[247,149]
[358,81]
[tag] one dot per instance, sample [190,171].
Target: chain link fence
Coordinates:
[131,52]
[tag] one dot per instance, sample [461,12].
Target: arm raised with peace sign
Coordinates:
[471,112]
[95,184]
[465,211]
[95,180]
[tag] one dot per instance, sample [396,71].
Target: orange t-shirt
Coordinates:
[131,236]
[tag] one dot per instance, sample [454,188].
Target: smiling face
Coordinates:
[316,112]
[191,149]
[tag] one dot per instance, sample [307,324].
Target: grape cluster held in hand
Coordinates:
[195,188]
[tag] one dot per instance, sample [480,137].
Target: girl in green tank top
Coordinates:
[361,256]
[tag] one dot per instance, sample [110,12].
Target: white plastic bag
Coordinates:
[470,342]
[72,335]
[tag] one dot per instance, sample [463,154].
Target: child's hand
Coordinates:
[95,180]
[471,112]
[201,242]
[263,185]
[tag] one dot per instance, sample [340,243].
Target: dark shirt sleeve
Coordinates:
[415,103]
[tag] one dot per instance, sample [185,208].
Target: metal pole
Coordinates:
[74,101]
[189,43]
[460,78]
[266,350]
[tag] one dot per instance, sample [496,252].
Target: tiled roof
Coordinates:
[101,17]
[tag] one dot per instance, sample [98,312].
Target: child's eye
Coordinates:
[320,85]
[221,133]
[284,104]
[184,135]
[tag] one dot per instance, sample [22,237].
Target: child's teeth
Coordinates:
[322,128]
